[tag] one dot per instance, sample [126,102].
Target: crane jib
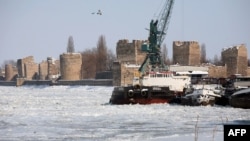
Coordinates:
[164,20]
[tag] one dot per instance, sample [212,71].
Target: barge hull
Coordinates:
[142,95]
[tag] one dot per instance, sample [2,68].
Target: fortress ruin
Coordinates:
[186,53]
[129,58]
[130,52]
[71,64]
[236,60]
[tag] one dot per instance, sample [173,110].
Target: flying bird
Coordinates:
[99,12]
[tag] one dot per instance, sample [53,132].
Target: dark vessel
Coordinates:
[240,99]
[141,95]
[165,87]
[233,85]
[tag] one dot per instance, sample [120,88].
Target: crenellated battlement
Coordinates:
[185,43]
[235,48]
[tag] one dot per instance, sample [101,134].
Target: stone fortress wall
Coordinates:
[43,70]
[130,52]
[21,66]
[129,59]
[236,59]
[186,53]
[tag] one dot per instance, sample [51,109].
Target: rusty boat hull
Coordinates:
[142,95]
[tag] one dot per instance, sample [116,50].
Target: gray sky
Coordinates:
[42,27]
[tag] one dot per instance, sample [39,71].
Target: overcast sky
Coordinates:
[42,27]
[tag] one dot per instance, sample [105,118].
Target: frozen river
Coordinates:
[83,113]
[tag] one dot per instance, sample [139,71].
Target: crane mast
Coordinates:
[157,33]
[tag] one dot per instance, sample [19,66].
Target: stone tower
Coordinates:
[130,52]
[21,65]
[43,70]
[130,57]
[70,66]
[236,59]
[186,53]
[10,72]
[27,68]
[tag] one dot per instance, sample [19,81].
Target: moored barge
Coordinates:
[141,95]
[154,87]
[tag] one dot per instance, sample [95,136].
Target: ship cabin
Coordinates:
[239,81]
[169,79]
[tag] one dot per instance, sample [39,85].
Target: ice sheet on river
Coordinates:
[83,113]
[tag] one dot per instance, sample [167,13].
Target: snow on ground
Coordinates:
[83,113]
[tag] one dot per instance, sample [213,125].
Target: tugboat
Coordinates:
[155,84]
[155,87]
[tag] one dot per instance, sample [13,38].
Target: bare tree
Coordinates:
[12,62]
[164,53]
[101,58]
[97,59]
[70,46]
[217,60]
[203,53]
[88,65]
[110,59]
